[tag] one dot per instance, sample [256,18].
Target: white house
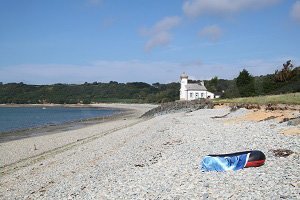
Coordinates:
[192,91]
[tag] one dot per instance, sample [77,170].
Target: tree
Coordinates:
[156,85]
[286,73]
[245,84]
[214,83]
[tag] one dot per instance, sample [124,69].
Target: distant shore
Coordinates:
[96,105]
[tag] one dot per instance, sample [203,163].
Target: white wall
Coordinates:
[192,95]
[210,95]
[183,92]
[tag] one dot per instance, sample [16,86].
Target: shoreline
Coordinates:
[42,140]
[41,130]
[154,158]
[18,134]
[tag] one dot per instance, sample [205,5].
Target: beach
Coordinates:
[154,158]
[51,138]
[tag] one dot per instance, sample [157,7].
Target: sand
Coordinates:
[153,158]
[17,150]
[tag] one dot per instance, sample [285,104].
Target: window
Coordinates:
[202,95]
[191,95]
[197,95]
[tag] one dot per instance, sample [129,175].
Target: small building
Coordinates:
[191,90]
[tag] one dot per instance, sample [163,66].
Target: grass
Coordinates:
[290,98]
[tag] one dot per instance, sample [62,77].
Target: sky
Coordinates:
[77,41]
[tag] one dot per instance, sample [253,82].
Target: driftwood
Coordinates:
[222,116]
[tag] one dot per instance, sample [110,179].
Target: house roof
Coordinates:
[196,87]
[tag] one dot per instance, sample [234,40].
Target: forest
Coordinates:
[286,80]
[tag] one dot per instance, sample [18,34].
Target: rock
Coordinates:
[205,196]
[294,122]
[179,106]
[282,152]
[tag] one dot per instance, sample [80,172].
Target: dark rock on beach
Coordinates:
[294,122]
[179,106]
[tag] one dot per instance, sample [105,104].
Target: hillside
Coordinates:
[244,85]
[135,92]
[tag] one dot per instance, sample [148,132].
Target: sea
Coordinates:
[21,118]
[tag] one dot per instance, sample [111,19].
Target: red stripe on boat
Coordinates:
[256,163]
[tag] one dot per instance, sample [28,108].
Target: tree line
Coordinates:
[286,80]
[135,92]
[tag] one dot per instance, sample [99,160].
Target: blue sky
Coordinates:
[77,41]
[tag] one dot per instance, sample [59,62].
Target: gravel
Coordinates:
[159,158]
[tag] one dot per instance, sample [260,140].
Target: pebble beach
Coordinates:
[153,158]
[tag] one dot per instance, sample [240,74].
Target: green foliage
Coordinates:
[212,84]
[289,98]
[286,73]
[136,92]
[245,84]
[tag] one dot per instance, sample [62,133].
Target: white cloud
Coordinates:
[194,8]
[295,12]
[166,24]
[159,34]
[158,39]
[212,32]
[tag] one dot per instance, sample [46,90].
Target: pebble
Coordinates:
[144,162]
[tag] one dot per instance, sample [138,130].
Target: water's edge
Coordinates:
[18,134]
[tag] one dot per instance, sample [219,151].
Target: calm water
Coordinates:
[15,118]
